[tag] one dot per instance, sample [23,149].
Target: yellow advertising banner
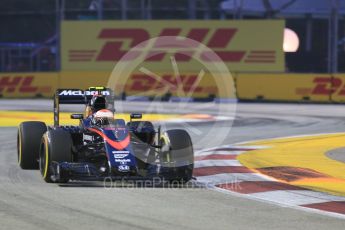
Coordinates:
[284,87]
[83,79]
[20,85]
[243,45]
[140,84]
[249,86]
[335,85]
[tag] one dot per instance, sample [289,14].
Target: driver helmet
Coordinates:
[103,117]
[97,102]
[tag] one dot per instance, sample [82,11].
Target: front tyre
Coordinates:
[177,156]
[56,146]
[28,143]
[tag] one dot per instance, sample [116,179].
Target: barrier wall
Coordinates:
[28,84]
[291,87]
[158,84]
[249,86]
[336,87]
[187,85]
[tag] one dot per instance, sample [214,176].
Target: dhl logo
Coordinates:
[328,86]
[21,84]
[218,40]
[324,86]
[186,84]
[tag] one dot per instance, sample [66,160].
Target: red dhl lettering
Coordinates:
[167,83]
[328,86]
[20,84]
[113,49]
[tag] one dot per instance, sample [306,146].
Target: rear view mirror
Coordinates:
[77,116]
[136,115]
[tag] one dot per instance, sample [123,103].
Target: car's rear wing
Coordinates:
[78,96]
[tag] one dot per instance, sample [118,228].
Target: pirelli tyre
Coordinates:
[56,146]
[177,156]
[28,143]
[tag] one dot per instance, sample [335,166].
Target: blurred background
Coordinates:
[30,29]
[314,33]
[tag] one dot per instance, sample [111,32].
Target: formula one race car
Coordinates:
[101,146]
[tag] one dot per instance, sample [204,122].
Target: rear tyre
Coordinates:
[177,156]
[56,146]
[28,143]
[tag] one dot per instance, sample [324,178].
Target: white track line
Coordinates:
[223,152]
[207,163]
[291,197]
[224,178]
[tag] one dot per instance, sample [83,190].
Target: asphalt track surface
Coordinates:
[29,203]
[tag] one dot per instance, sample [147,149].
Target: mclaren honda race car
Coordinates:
[101,146]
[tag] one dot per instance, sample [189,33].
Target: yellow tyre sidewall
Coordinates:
[46,157]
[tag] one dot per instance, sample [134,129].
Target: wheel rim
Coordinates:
[44,161]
